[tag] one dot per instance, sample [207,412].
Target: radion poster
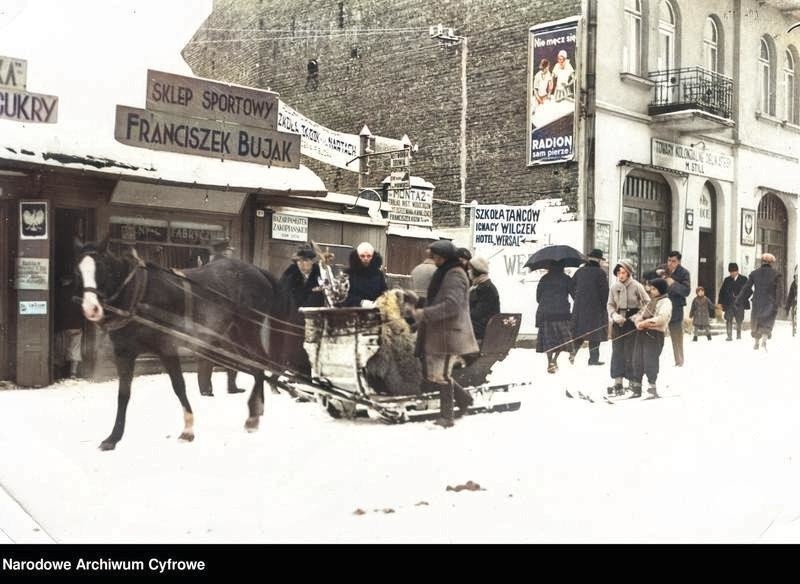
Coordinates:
[552,90]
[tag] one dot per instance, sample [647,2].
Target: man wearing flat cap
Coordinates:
[764,284]
[731,286]
[589,313]
[445,330]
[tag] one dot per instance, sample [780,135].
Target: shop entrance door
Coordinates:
[707,261]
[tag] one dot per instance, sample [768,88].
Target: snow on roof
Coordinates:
[93,55]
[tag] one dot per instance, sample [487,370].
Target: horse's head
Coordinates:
[99,274]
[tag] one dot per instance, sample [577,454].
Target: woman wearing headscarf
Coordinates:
[484,300]
[626,297]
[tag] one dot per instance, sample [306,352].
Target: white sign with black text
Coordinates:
[289,227]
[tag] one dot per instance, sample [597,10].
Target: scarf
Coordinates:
[438,277]
[479,279]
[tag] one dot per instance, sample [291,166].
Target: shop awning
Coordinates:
[652,168]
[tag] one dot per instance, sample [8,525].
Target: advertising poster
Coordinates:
[552,90]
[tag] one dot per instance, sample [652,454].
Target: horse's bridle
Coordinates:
[124,315]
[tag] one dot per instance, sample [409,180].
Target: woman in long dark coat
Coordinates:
[553,315]
[589,314]
[766,299]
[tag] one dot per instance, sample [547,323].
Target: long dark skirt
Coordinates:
[554,335]
[623,340]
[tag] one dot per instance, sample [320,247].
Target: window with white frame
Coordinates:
[632,55]
[790,94]
[666,36]
[766,102]
[711,46]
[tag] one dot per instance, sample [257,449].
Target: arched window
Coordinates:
[789,88]
[766,82]
[632,55]
[666,36]
[711,46]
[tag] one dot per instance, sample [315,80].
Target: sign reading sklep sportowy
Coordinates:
[189,115]
[18,104]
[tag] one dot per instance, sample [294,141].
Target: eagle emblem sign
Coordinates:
[33,220]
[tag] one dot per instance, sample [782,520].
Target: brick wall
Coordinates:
[379,67]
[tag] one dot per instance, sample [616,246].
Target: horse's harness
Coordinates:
[124,316]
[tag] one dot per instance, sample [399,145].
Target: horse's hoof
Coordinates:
[106,445]
[186,437]
[251,424]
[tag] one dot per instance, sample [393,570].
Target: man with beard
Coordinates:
[445,330]
[367,281]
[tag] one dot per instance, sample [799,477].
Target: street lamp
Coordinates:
[447,37]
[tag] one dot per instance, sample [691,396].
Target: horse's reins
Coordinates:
[140,286]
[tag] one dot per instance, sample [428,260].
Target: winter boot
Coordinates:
[694,339]
[636,389]
[73,369]
[738,333]
[462,398]
[708,336]
[651,391]
[755,344]
[729,330]
[445,419]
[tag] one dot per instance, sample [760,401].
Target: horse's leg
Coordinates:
[255,403]
[172,365]
[125,364]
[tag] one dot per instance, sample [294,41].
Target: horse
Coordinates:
[147,308]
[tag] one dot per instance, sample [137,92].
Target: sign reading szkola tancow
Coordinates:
[504,226]
[171,133]
[18,104]
[211,100]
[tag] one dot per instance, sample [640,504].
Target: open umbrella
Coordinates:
[546,256]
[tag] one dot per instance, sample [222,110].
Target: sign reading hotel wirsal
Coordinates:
[197,116]
[18,104]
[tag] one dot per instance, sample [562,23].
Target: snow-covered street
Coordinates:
[716,460]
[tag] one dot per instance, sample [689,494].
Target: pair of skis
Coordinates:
[580,395]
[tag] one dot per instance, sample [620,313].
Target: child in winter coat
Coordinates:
[701,313]
[651,324]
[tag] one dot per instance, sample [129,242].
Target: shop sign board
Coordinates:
[33,273]
[173,133]
[211,100]
[13,72]
[700,161]
[289,227]
[33,307]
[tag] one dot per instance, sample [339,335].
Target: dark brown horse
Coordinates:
[227,304]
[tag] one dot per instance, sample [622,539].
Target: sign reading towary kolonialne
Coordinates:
[211,100]
[173,133]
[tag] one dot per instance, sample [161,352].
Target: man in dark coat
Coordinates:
[221,249]
[445,331]
[367,281]
[679,286]
[484,300]
[589,314]
[731,286]
[766,299]
[300,281]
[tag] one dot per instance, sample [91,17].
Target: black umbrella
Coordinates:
[546,256]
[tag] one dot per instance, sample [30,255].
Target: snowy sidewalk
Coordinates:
[716,460]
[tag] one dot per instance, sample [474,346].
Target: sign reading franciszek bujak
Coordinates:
[710,163]
[18,104]
[552,87]
[211,100]
[207,118]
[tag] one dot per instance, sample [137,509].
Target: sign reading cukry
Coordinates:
[211,100]
[172,133]
[20,105]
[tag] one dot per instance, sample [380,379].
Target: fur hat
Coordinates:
[660,284]
[304,252]
[444,248]
[479,265]
[733,267]
[596,254]
[624,263]
[464,253]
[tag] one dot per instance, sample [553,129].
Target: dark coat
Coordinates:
[366,283]
[301,292]
[445,327]
[678,291]
[702,311]
[484,303]
[766,297]
[730,290]
[589,313]
[553,294]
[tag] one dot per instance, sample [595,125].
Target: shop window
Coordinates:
[645,223]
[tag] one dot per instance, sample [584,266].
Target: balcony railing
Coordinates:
[691,88]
